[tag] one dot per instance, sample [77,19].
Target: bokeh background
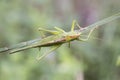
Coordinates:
[91,60]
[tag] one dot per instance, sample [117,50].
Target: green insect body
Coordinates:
[61,37]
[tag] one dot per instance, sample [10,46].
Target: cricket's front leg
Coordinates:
[88,35]
[45,54]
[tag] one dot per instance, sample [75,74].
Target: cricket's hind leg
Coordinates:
[49,31]
[45,54]
[60,30]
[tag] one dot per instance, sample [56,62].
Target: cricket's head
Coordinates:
[73,35]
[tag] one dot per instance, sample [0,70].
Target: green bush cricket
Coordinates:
[56,40]
[58,37]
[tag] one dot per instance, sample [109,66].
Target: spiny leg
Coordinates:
[88,35]
[91,37]
[45,54]
[73,25]
[77,24]
[49,31]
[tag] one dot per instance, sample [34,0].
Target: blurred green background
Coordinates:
[91,60]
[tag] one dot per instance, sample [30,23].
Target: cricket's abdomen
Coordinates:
[53,42]
[60,41]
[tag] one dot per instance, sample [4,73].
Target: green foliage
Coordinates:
[93,60]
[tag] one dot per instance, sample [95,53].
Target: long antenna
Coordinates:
[101,22]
